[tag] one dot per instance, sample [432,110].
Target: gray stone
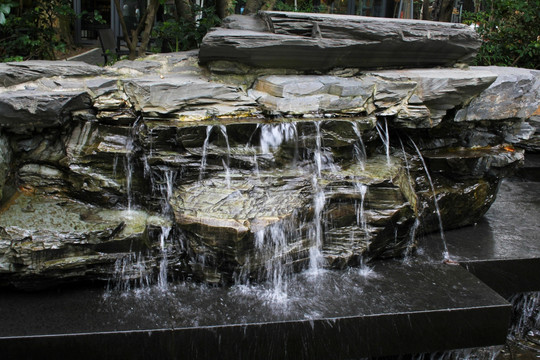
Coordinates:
[244,22]
[139,66]
[340,41]
[186,97]
[14,73]
[515,94]
[312,94]
[94,86]
[437,91]
[5,162]
[51,240]
[484,162]
[28,110]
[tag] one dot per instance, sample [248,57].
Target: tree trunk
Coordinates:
[224,8]
[131,46]
[253,6]
[149,24]
[442,10]
[426,14]
[184,11]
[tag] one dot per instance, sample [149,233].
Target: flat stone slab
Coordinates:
[387,310]
[14,73]
[324,41]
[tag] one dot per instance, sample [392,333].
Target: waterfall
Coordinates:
[273,135]
[204,151]
[384,134]
[317,156]
[360,213]
[163,264]
[359,148]
[446,255]
[316,259]
[130,272]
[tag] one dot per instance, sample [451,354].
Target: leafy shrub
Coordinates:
[179,35]
[34,34]
[510,30]
[301,6]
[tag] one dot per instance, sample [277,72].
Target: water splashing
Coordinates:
[365,270]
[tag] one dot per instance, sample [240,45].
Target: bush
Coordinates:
[180,35]
[510,30]
[34,34]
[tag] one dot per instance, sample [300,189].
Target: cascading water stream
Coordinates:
[227,162]
[204,151]
[128,161]
[316,258]
[446,254]
[359,148]
[384,134]
[317,156]
[414,227]
[360,213]
[164,263]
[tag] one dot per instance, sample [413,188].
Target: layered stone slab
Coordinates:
[340,315]
[14,73]
[323,41]
[47,240]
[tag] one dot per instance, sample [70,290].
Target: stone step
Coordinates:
[387,310]
[502,249]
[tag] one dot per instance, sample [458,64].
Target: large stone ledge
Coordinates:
[14,73]
[321,42]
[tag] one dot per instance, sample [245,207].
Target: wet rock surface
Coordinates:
[252,173]
[50,240]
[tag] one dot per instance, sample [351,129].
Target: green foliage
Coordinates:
[179,35]
[5,9]
[301,6]
[510,30]
[34,34]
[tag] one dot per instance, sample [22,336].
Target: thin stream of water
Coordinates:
[204,151]
[359,148]
[384,134]
[446,254]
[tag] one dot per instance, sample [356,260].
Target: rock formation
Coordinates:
[162,168]
[320,42]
